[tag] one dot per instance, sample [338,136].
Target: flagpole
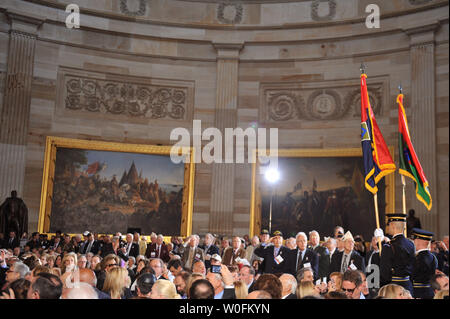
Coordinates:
[400,88]
[375,200]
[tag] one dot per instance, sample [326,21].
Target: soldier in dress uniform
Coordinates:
[398,256]
[425,265]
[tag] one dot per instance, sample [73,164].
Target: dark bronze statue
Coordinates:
[13,216]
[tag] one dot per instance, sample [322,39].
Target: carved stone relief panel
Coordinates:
[230,13]
[148,98]
[315,10]
[134,8]
[319,101]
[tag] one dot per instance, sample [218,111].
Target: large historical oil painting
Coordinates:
[108,191]
[318,190]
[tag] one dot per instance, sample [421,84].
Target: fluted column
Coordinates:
[422,120]
[222,185]
[16,103]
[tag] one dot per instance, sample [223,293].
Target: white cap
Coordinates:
[216,257]
[348,235]
[86,233]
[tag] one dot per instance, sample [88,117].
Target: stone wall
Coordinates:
[271,59]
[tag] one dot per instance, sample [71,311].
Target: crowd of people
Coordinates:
[268,266]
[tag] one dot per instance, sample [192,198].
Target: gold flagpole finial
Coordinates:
[362,68]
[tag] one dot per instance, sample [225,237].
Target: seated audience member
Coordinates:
[259,294]
[335,295]
[82,261]
[144,284]
[192,278]
[19,287]
[117,282]
[164,289]
[222,283]
[201,289]
[36,271]
[199,267]
[439,282]
[88,276]
[81,291]
[335,282]
[18,270]
[306,288]
[271,284]
[289,286]
[240,290]
[46,286]
[352,284]
[174,266]
[234,270]
[247,275]
[107,263]
[305,274]
[158,267]
[392,291]
[180,282]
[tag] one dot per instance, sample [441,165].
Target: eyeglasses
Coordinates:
[348,290]
[110,265]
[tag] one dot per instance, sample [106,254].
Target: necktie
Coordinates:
[344,264]
[299,260]
[88,249]
[159,250]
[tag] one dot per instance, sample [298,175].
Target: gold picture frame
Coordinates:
[256,204]
[53,143]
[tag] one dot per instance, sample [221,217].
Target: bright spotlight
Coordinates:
[272,175]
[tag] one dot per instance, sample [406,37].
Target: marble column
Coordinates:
[422,121]
[222,186]
[16,103]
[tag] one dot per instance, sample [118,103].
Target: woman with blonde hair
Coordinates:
[240,289]
[69,262]
[164,289]
[441,294]
[392,291]
[306,288]
[117,282]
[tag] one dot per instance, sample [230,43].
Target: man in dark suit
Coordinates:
[209,248]
[303,257]
[90,245]
[157,250]
[276,257]
[397,257]
[425,265]
[348,258]
[373,256]
[12,241]
[130,247]
[247,276]
[322,253]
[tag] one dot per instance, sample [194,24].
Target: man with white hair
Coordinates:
[191,252]
[303,257]
[158,249]
[18,270]
[322,253]
[348,258]
[291,243]
[289,286]
[331,245]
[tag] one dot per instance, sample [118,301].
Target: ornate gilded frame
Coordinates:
[52,143]
[255,206]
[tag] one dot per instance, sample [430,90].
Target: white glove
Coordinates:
[378,233]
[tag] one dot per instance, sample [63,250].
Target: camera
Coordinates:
[216,269]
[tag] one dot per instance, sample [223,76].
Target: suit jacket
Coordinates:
[291,296]
[356,258]
[310,257]
[15,243]
[324,261]
[134,250]
[229,293]
[213,249]
[94,248]
[270,266]
[152,252]
[229,257]
[199,254]
[375,258]
[108,249]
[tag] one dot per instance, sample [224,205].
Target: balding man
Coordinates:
[88,276]
[81,291]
